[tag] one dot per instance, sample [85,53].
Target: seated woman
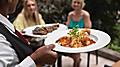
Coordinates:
[81,18]
[29,16]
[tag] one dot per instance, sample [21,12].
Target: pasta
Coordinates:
[76,38]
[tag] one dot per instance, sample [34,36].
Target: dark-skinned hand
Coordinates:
[44,55]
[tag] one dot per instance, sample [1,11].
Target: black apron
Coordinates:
[22,49]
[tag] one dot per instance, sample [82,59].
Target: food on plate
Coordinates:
[40,31]
[45,29]
[76,38]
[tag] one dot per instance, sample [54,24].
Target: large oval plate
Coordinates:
[28,30]
[101,38]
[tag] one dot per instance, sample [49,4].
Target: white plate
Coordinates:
[101,38]
[28,30]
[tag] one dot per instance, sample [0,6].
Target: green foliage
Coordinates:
[114,47]
[104,14]
[115,44]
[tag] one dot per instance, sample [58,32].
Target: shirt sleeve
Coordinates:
[9,58]
[42,22]
[27,62]
[19,22]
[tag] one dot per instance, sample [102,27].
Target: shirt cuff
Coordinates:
[28,62]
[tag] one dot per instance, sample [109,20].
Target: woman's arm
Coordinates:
[19,22]
[42,22]
[87,21]
[68,19]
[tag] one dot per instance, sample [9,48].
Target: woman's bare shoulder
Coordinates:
[71,13]
[85,13]
[20,15]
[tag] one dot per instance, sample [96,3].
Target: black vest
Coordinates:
[22,49]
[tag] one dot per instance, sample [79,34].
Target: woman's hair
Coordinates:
[82,3]
[35,16]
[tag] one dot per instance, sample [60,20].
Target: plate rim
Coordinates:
[98,35]
[41,36]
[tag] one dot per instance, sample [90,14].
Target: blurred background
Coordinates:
[105,15]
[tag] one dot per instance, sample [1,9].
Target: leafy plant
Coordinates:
[104,14]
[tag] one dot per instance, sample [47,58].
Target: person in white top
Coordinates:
[8,55]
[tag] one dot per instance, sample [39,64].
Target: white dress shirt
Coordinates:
[8,56]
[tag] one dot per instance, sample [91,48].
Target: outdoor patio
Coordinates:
[67,62]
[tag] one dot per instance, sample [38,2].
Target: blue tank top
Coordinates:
[79,23]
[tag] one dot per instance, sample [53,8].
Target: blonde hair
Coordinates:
[81,2]
[35,16]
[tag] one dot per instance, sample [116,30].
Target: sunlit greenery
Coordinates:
[105,16]
[115,44]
